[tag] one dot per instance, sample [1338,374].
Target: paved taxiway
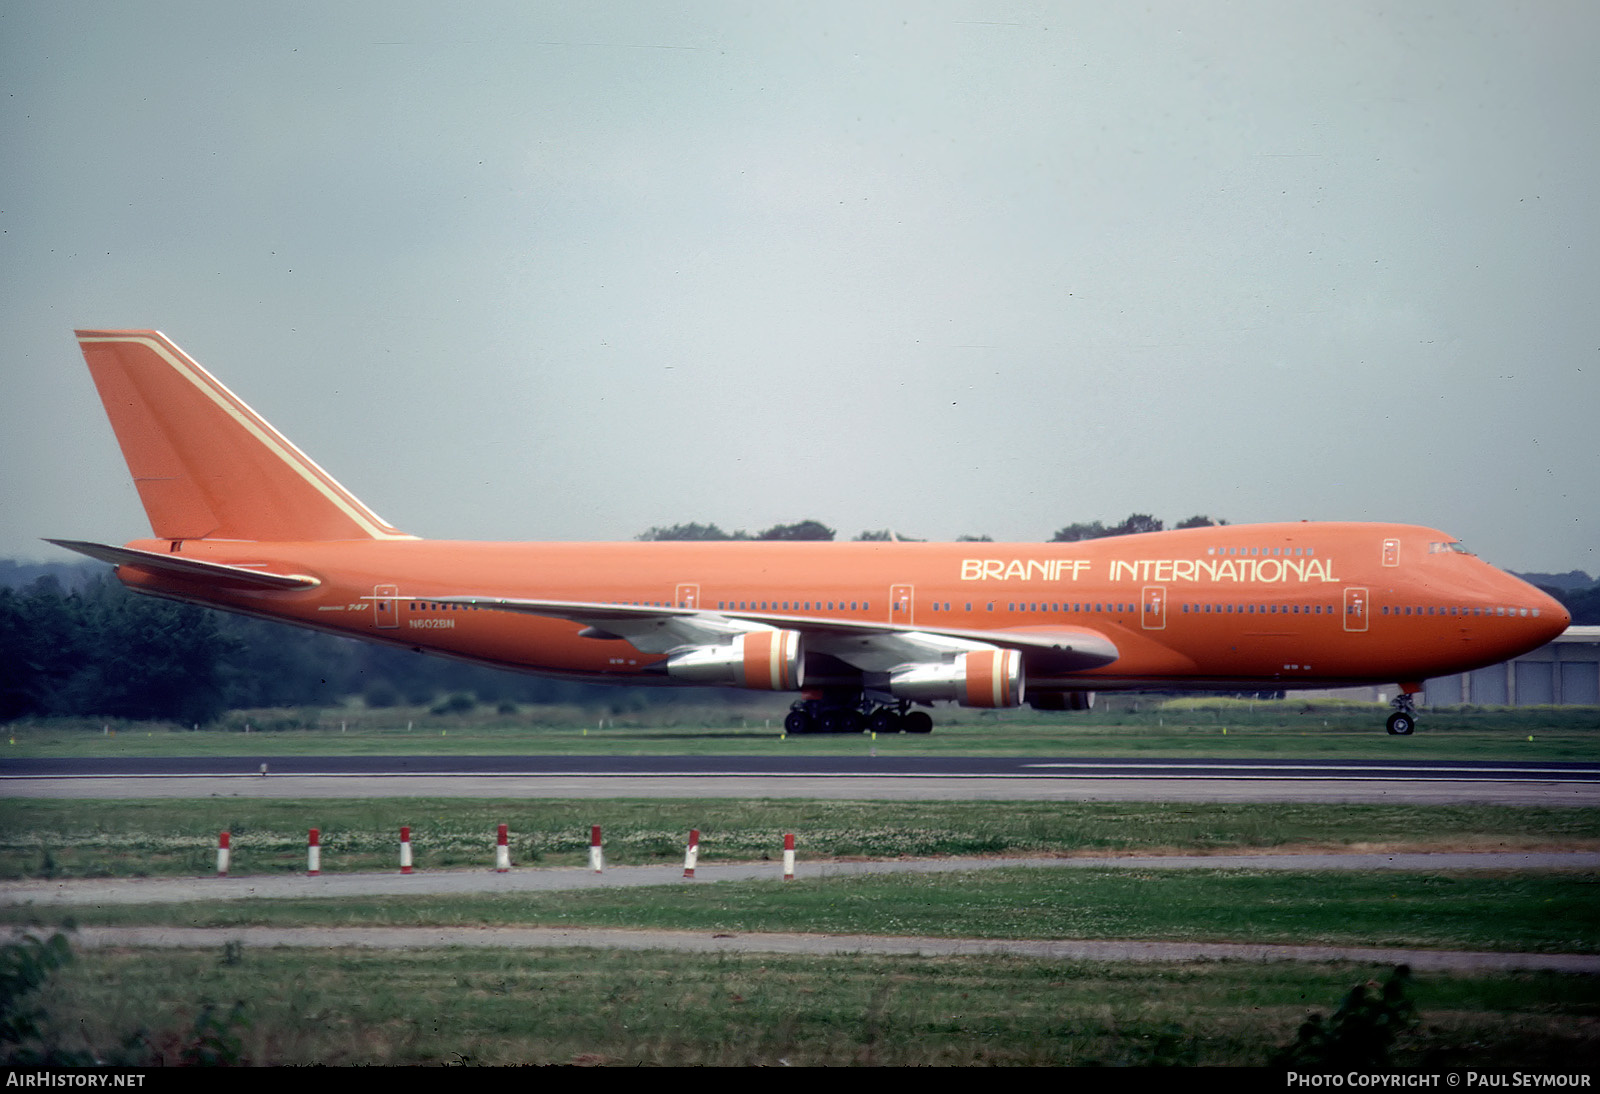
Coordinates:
[1419,782]
[425,938]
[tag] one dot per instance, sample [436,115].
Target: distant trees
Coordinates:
[805,529]
[1136,522]
[102,651]
[1582,603]
[689,532]
[816,530]
[97,651]
[1134,525]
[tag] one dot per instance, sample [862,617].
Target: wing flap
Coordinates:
[870,647]
[649,629]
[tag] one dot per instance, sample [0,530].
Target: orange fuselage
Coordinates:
[1274,605]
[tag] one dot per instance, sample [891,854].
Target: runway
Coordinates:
[1421,782]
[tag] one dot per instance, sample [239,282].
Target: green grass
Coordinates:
[507,1007]
[624,1008]
[159,837]
[1534,912]
[1142,727]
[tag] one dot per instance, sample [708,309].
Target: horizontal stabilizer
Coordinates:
[212,572]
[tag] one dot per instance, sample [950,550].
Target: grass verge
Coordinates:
[46,838]
[625,1008]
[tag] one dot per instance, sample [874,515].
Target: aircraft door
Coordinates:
[1391,552]
[1153,608]
[386,605]
[687,596]
[1355,609]
[900,604]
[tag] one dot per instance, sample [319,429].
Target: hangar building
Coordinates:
[1565,672]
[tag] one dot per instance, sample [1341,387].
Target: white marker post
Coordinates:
[788,856]
[596,860]
[691,853]
[313,855]
[502,852]
[222,855]
[405,849]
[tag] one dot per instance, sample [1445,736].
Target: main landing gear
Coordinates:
[824,716]
[1403,722]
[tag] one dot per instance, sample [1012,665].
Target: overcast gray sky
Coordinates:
[567,271]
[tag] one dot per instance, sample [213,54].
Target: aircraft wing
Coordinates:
[867,646]
[192,568]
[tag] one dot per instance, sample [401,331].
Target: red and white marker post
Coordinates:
[223,841]
[313,854]
[596,859]
[788,856]
[405,849]
[691,853]
[502,852]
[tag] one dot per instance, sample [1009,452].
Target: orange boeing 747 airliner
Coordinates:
[245,521]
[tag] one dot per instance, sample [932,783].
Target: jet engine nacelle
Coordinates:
[763,660]
[984,678]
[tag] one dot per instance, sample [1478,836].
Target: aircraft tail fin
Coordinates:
[205,464]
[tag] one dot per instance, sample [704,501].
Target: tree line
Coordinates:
[816,530]
[100,650]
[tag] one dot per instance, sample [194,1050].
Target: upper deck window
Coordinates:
[1452,546]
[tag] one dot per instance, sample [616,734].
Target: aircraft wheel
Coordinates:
[1401,724]
[831,721]
[884,720]
[918,721]
[851,721]
[797,722]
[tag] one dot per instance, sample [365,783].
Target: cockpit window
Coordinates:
[1453,546]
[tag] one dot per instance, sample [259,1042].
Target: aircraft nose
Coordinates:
[1548,616]
[1552,613]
